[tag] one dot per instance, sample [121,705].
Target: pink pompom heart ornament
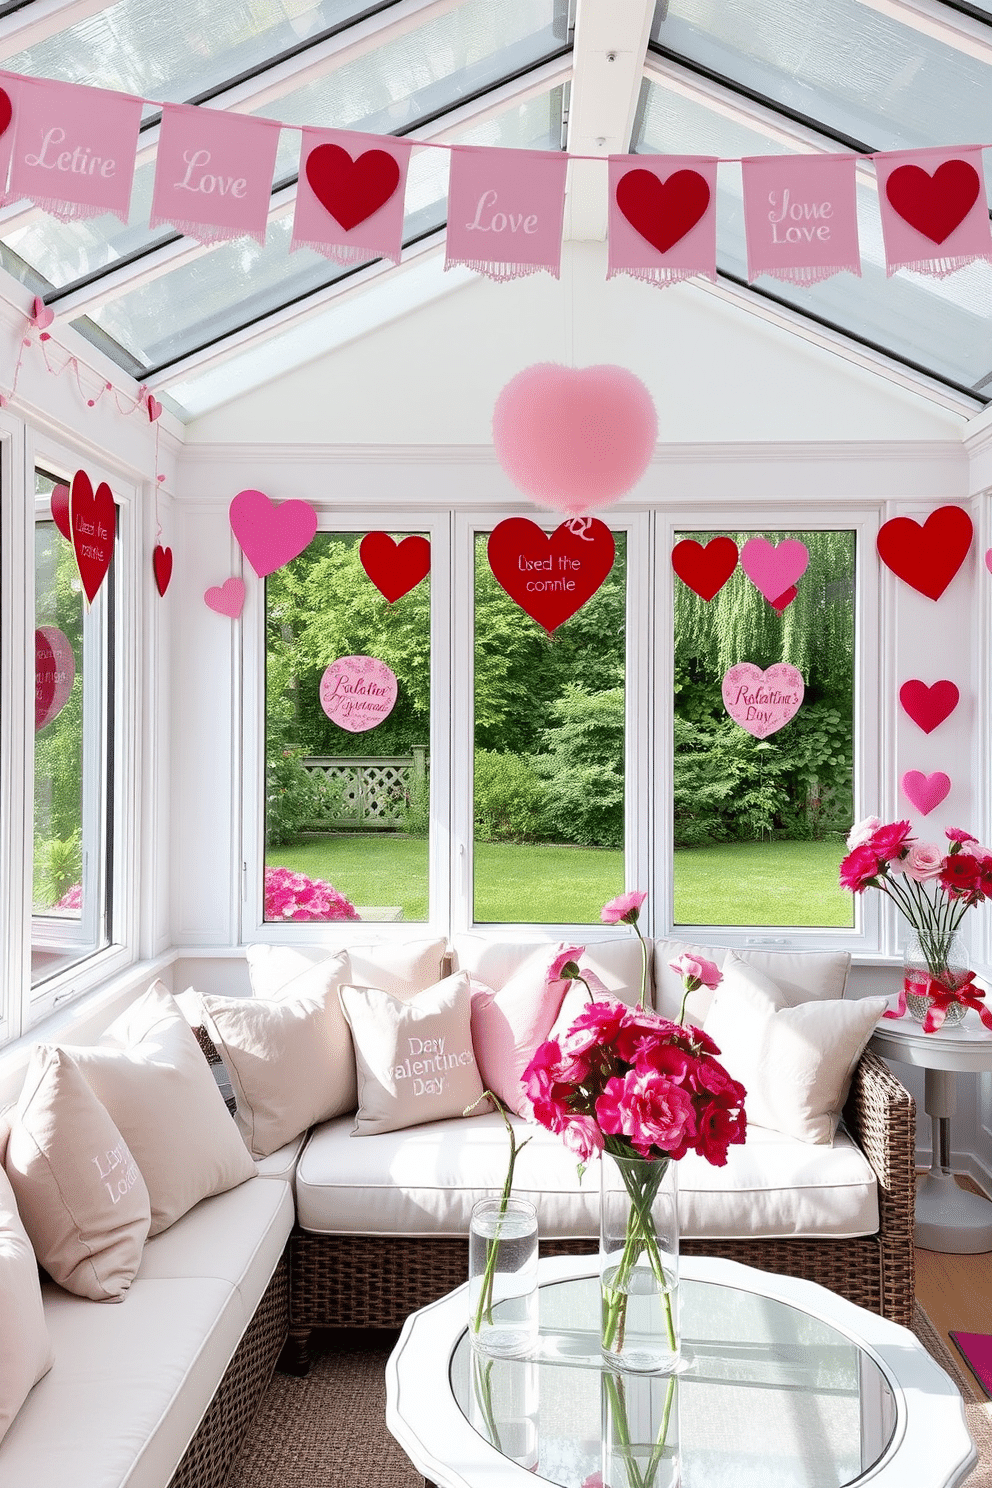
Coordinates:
[574,438]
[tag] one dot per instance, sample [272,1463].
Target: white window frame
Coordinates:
[436,525]
[871,935]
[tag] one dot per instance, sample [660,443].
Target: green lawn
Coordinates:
[761,883]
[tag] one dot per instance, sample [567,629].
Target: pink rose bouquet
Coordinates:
[932,887]
[294,896]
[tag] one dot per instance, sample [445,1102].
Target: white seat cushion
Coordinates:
[236,1236]
[424,1181]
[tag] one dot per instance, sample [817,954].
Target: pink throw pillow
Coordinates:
[509,1026]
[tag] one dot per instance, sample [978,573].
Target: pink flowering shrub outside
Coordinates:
[294,896]
[72,899]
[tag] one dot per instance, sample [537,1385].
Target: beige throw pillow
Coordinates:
[290,1059]
[794,1058]
[150,1074]
[26,1348]
[82,1199]
[414,1057]
[402,967]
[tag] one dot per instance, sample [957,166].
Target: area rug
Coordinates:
[329,1429]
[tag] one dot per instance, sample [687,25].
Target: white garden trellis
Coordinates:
[365,793]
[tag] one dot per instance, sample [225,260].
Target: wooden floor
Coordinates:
[955,1291]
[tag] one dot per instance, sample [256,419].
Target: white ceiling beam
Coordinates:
[128,277]
[611,38]
[25,28]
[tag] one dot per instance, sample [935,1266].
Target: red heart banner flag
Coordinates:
[213,174]
[350,196]
[926,557]
[551,577]
[801,217]
[662,223]
[74,148]
[505,211]
[935,215]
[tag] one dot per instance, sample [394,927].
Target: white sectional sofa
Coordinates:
[338,1230]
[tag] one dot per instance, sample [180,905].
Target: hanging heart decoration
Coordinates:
[762,702]
[42,315]
[705,569]
[54,673]
[772,568]
[271,535]
[154,408]
[935,205]
[162,566]
[358,692]
[93,524]
[395,567]
[663,211]
[926,557]
[6,111]
[60,511]
[928,706]
[988,559]
[550,578]
[784,600]
[351,190]
[227,598]
[925,792]
[573,438]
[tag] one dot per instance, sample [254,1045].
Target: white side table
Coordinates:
[947,1217]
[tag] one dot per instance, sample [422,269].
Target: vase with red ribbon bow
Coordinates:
[935,981]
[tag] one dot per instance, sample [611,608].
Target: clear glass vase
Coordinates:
[639,1264]
[933,957]
[502,1277]
[640,1432]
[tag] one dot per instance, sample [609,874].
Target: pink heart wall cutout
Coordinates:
[929,706]
[925,792]
[357,692]
[271,535]
[93,522]
[54,673]
[773,570]
[574,438]
[762,702]
[227,598]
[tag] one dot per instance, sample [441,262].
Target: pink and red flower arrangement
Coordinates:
[933,887]
[294,896]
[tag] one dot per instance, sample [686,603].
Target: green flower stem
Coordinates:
[644,965]
[484,1311]
[483,1389]
[618,1406]
[640,1236]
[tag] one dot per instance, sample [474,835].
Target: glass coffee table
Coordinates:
[782,1384]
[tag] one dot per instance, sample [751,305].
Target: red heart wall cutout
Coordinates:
[663,211]
[395,568]
[551,577]
[705,569]
[6,111]
[926,557]
[60,511]
[162,566]
[93,520]
[351,190]
[935,205]
[928,706]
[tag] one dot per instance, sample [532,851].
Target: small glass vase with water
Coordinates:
[502,1277]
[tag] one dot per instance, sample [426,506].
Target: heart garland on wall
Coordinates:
[550,578]
[926,556]
[395,567]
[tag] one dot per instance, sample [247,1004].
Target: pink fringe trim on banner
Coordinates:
[208,232]
[72,211]
[503,272]
[661,277]
[812,275]
[343,254]
[939,268]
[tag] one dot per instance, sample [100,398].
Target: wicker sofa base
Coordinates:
[210,1455]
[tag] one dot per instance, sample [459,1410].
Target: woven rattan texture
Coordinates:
[348,1281]
[208,1457]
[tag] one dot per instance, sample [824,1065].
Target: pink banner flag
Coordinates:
[213,177]
[801,216]
[662,217]
[505,211]
[349,200]
[73,149]
[935,215]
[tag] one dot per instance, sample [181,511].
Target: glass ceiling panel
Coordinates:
[136,46]
[389,90]
[940,325]
[859,72]
[233,285]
